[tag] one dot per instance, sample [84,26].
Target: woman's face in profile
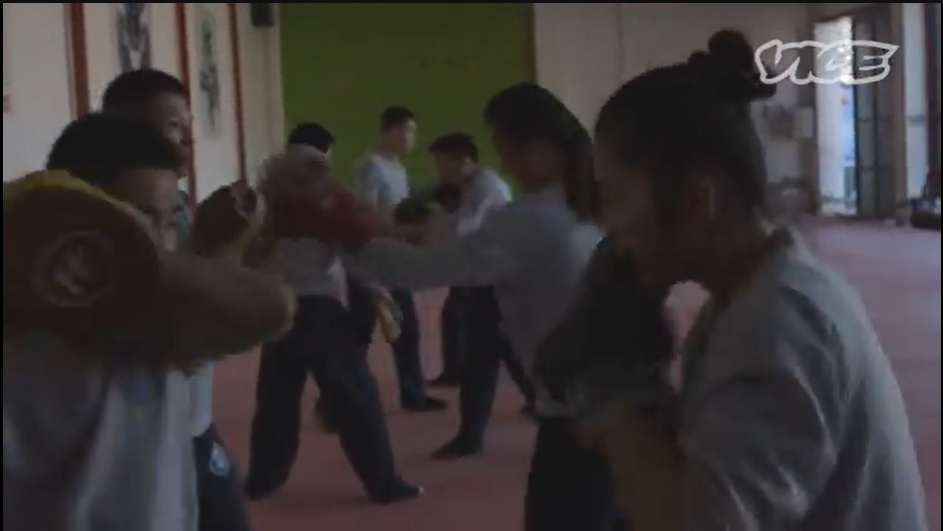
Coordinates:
[629,215]
[528,162]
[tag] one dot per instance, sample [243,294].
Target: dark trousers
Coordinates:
[488,347]
[454,319]
[412,381]
[324,341]
[220,492]
[569,487]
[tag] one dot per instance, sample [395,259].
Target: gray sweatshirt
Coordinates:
[532,251]
[790,417]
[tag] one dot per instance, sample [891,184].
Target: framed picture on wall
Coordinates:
[133,36]
[207,46]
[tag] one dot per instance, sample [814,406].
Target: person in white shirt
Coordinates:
[158,99]
[471,312]
[98,438]
[325,342]
[382,184]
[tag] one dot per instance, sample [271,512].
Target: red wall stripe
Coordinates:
[237,83]
[183,49]
[78,54]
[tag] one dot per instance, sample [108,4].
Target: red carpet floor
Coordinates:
[897,270]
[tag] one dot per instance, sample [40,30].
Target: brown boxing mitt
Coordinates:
[331,215]
[228,221]
[76,261]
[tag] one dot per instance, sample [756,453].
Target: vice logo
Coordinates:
[833,62]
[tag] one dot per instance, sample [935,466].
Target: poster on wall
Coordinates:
[207,44]
[6,61]
[133,32]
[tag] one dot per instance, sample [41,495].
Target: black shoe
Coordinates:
[445,380]
[400,491]
[424,404]
[258,488]
[456,449]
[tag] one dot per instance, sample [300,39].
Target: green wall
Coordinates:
[344,62]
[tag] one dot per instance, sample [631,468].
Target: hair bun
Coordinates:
[731,50]
[730,66]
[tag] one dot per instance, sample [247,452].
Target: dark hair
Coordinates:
[529,113]
[457,145]
[99,147]
[393,117]
[311,134]
[693,116]
[140,87]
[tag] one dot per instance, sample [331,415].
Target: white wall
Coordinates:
[263,108]
[579,53]
[585,51]
[41,83]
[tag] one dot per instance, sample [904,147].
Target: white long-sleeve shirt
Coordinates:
[533,251]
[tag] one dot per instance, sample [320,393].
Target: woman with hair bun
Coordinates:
[790,416]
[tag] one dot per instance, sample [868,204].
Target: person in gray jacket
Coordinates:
[533,252]
[789,415]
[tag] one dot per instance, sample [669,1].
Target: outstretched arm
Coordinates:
[477,259]
[207,308]
[211,306]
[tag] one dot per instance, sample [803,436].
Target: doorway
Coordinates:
[835,117]
[856,173]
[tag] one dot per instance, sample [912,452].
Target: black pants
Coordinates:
[455,338]
[569,487]
[412,381]
[220,493]
[323,341]
[487,349]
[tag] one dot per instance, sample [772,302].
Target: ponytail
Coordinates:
[580,185]
[529,112]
